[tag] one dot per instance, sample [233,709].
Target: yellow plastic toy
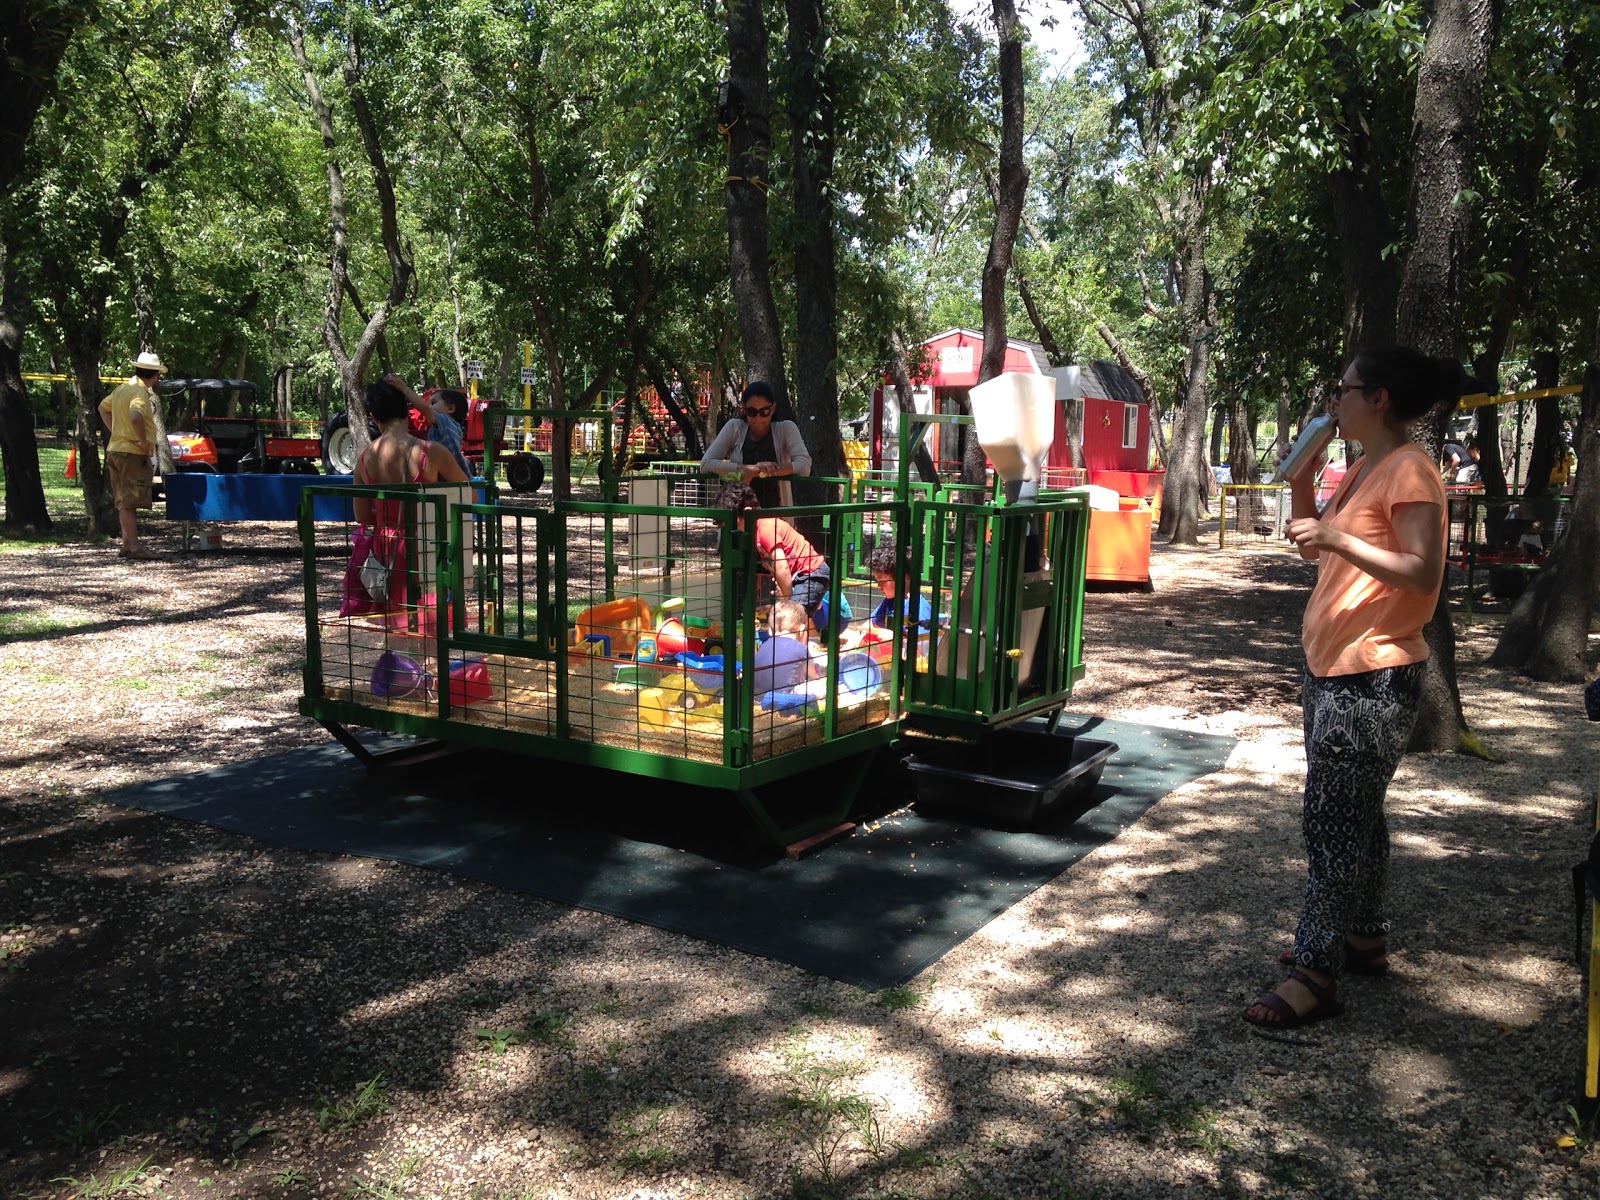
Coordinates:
[677,703]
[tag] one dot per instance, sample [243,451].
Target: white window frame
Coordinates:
[1130,426]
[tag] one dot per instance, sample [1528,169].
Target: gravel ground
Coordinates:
[190,1012]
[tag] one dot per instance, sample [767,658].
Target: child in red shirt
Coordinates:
[799,572]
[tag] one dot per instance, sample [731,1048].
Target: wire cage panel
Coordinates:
[1253,514]
[633,628]
[1007,629]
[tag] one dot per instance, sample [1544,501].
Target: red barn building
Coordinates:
[1116,420]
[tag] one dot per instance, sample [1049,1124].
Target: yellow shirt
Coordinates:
[127,399]
[1354,623]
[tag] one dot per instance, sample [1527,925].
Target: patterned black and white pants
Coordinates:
[1356,729]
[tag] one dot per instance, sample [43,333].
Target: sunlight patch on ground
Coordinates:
[1488,997]
[1426,846]
[895,1086]
[1408,1076]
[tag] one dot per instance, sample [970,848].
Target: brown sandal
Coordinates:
[1373,961]
[1327,1005]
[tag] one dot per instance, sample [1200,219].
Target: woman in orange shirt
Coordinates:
[1379,545]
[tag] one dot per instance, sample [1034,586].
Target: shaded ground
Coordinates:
[192,1011]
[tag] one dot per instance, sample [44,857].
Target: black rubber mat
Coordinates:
[873,909]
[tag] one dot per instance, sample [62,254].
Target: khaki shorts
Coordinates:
[131,475]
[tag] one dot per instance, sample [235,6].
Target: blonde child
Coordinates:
[787,659]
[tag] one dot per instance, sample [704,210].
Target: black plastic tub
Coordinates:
[1014,777]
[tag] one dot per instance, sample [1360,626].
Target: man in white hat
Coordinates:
[129,466]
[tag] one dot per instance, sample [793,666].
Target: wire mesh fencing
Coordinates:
[1253,514]
[642,629]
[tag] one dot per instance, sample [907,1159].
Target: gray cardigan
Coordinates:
[726,453]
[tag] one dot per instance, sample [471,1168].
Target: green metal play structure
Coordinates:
[625,636]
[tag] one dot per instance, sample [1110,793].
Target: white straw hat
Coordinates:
[148,361]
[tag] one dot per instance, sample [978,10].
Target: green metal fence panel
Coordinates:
[572,633]
[1007,585]
[628,636]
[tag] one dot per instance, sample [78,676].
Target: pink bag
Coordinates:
[375,577]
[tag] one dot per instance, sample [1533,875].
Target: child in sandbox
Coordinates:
[883,625]
[787,660]
[799,572]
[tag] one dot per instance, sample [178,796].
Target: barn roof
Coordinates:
[1034,350]
[1109,381]
[1102,378]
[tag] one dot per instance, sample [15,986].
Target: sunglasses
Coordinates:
[758,412]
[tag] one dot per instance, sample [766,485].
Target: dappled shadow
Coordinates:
[1085,1042]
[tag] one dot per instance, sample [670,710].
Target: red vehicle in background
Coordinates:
[523,472]
[217,429]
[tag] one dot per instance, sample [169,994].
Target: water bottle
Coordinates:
[1313,440]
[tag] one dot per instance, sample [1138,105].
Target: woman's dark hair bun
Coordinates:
[1415,381]
[385,401]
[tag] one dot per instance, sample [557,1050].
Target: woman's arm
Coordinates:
[716,460]
[1417,566]
[361,505]
[793,447]
[1303,505]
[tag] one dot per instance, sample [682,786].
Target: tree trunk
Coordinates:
[683,419]
[745,125]
[1280,444]
[1183,496]
[811,121]
[1450,80]
[1009,192]
[1364,232]
[19,449]
[352,363]
[1455,62]
[1547,634]
[1241,442]
[906,403]
[83,348]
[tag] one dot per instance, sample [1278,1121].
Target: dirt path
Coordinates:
[195,1012]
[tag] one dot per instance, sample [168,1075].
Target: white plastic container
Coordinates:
[1015,416]
[1313,440]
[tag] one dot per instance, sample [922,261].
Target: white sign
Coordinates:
[529,376]
[474,369]
[956,360]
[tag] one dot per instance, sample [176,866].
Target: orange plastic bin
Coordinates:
[1135,484]
[1119,543]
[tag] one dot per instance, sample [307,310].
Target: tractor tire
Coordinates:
[338,446]
[524,473]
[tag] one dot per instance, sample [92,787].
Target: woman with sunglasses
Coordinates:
[1379,547]
[761,452]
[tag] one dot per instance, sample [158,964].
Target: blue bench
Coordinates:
[201,496]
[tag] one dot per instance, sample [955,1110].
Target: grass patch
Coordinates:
[822,1117]
[898,998]
[1142,1101]
[86,1131]
[369,1101]
[548,1027]
[641,1130]
[19,623]
[130,1181]
[388,1186]
[499,1040]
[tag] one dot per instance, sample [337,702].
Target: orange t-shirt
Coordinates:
[1354,623]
